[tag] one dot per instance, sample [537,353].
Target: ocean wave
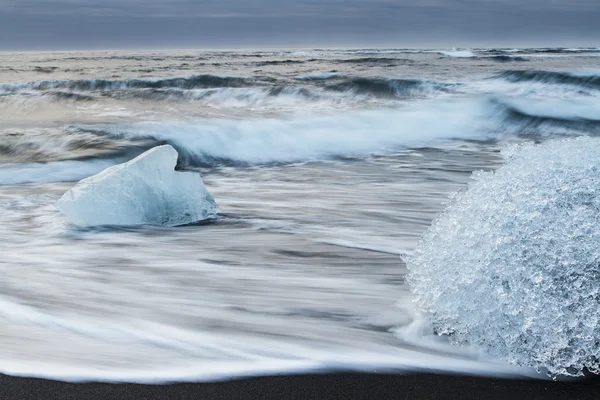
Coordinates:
[505,58]
[392,88]
[20,146]
[55,171]
[586,81]
[233,92]
[547,117]
[319,76]
[456,53]
[375,60]
[68,96]
[280,62]
[264,141]
[269,96]
[561,50]
[103,85]
[214,142]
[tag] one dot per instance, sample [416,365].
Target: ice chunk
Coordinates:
[513,264]
[145,190]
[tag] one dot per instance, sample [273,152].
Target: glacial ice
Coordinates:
[145,190]
[512,266]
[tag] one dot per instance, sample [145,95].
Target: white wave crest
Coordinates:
[310,138]
[456,53]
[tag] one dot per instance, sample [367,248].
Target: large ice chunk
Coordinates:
[145,190]
[513,264]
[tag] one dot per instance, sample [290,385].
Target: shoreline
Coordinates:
[310,386]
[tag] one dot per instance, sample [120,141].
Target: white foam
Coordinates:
[314,138]
[233,356]
[456,53]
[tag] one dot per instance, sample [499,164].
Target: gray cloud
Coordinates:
[214,23]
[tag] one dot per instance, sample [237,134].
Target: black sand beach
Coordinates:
[325,386]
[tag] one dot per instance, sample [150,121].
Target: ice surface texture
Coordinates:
[145,190]
[512,265]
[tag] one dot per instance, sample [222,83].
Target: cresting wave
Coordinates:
[583,80]
[218,142]
[264,141]
[548,117]
[234,91]
[214,90]
[260,141]
[103,85]
[392,88]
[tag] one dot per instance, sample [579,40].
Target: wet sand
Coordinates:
[319,386]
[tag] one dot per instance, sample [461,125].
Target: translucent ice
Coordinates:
[145,190]
[513,264]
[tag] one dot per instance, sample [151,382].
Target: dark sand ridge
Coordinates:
[325,386]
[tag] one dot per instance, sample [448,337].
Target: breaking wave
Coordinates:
[505,58]
[392,88]
[258,141]
[231,91]
[193,82]
[586,81]
[264,141]
[511,266]
[547,117]
[455,53]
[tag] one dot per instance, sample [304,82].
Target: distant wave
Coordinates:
[505,58]
[45,70]
[193,82]
[280,62]
[68,96]
[318,76]
[590,81]
[561,50]
[392,88]
[345,90]
[541,51]
[455,53]
[233,91]
[375,60]
[547,117]
[219,96]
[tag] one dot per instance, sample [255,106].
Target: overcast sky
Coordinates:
[97,24]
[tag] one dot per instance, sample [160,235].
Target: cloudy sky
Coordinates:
[94,24]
